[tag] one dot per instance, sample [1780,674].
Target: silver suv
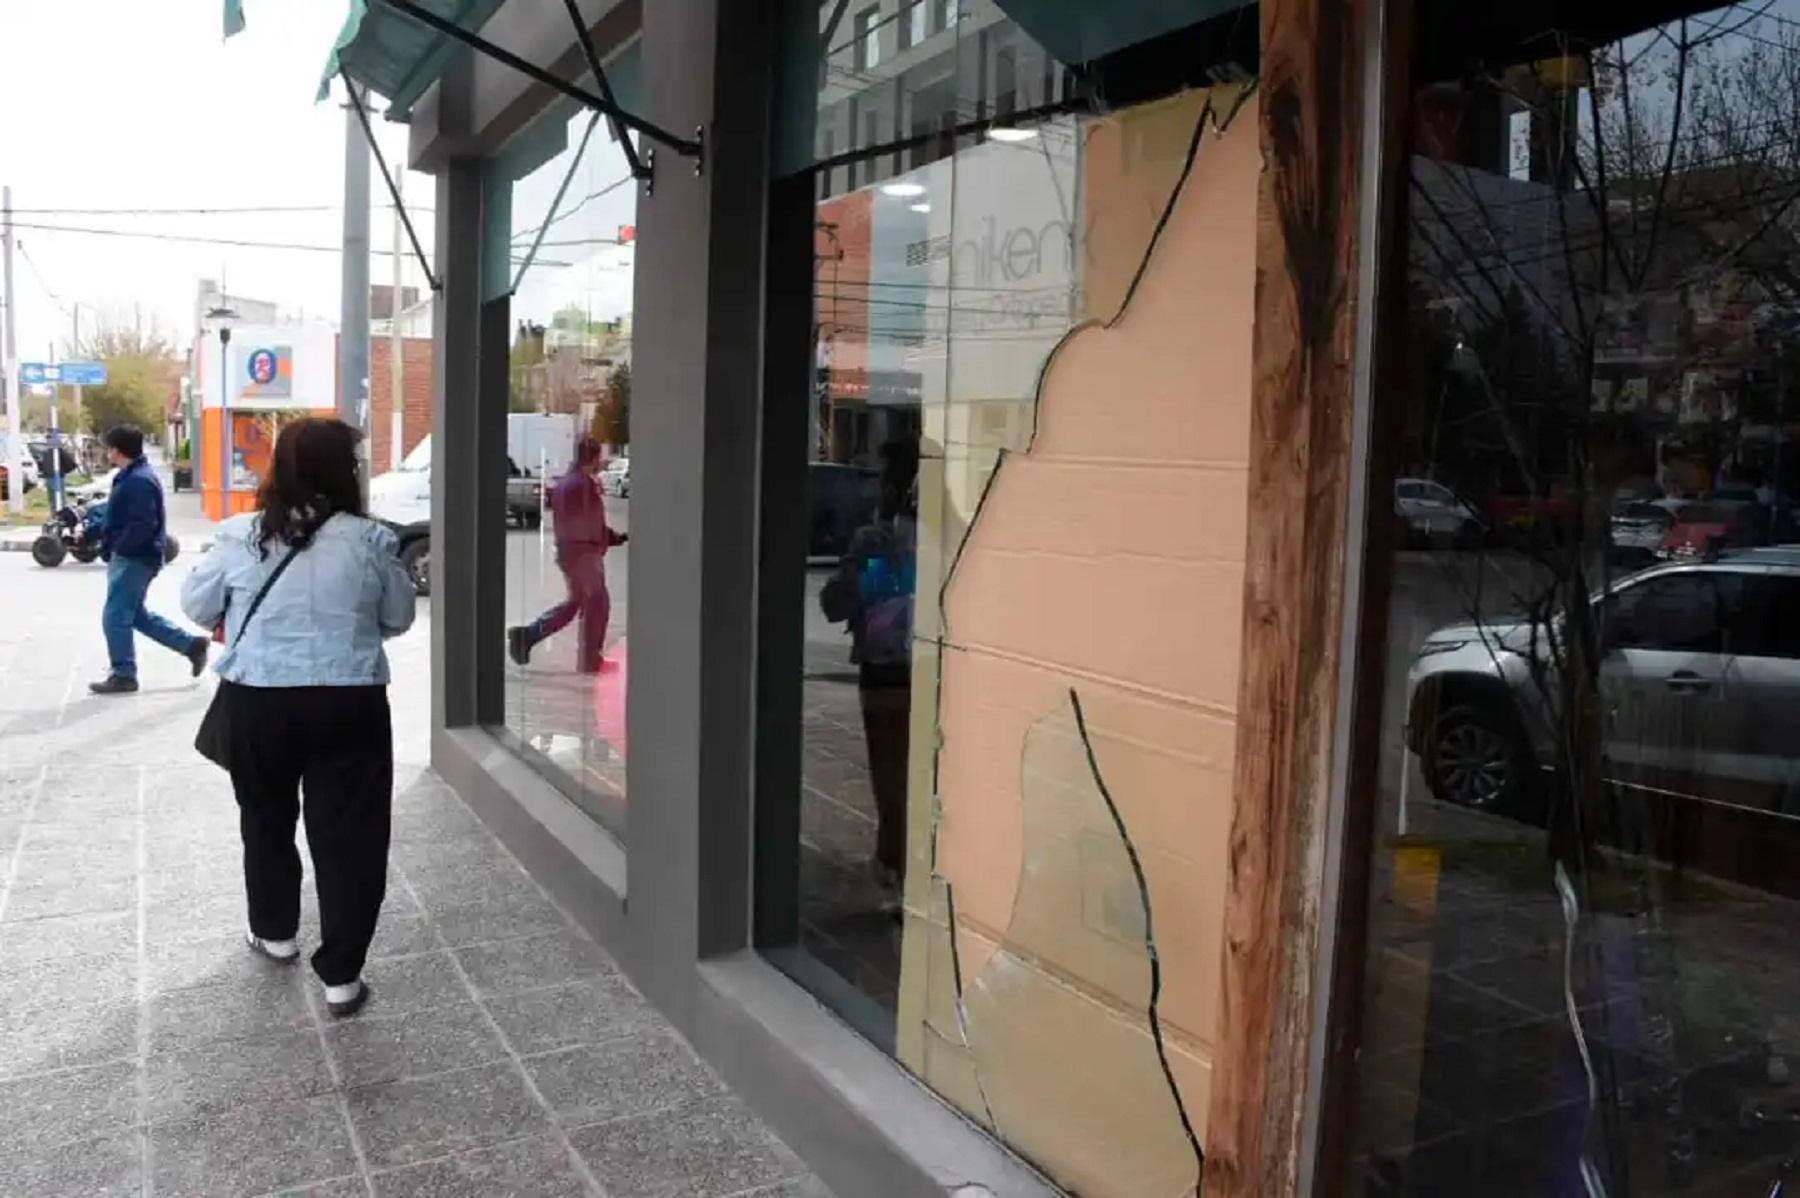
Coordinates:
[1699,688]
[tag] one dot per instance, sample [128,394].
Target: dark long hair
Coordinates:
[312,477]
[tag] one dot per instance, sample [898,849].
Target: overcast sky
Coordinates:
[133,104]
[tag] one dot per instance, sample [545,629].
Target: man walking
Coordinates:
[578,515]
[133,538]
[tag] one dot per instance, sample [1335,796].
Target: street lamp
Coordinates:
[224,315]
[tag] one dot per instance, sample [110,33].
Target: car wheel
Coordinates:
[1476,757]
[48,552]
[534,520]
[1468,535]
[171,549]
[416,558]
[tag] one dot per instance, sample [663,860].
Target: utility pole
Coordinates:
[15,424]
[396,340]
[353,317]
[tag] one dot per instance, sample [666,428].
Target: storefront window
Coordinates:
[569,241]
[1025,450]
[1582,959]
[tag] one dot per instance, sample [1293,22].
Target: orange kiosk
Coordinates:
[255,379]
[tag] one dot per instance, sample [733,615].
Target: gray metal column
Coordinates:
[694,423]
[455,423]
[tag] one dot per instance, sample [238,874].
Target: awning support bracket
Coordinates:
[387,177]
[604,104]
[633,163]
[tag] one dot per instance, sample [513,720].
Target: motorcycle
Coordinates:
[73,531]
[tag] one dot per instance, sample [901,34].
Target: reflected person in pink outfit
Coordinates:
[578,521]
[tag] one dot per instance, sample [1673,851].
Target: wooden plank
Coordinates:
[1311,86]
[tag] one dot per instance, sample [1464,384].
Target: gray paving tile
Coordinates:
[89,896]
[438,823]
[104,1165]
[420,983]
[374,1049]
[41,941]
[336,1187]
[56,984]
[251,1150]
[625,1077]
[494,882]
[507,915]
[268,1003]
[403,934]
[705,1151]
[585,1013]
[529,963]
[210,1078]
[55,1108]
[411,1121]
[39,1041]
[75,835]
[177,920]
[60,864]
[535,1168]
[216,960]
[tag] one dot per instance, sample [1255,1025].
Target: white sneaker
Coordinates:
[345,1001]
[279,951]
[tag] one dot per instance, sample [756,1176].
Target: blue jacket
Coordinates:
[136,526]
[324,620]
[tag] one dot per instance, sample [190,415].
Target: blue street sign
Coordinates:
[69,374]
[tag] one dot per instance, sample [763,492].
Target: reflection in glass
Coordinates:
[573,211]
[1583,957]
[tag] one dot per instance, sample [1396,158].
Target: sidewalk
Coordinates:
[144,1051]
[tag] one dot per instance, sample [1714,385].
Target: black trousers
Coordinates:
[886,693]
[336,744]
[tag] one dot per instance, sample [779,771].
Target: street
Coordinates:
[144,1050]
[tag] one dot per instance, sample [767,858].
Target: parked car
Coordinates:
[524,497]
[1431,514]
[1639,528]
[1699,682]
[1728,524]
[615,477]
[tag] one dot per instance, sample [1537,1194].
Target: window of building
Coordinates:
[1576,942]
[867,54]
[913,25]
[561,239]
[966,684]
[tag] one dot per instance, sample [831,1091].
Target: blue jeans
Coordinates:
[127,581]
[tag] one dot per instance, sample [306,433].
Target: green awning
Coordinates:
[390,53]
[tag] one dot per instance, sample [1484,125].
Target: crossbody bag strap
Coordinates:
[263,593]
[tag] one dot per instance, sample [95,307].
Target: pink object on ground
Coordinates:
[609,698]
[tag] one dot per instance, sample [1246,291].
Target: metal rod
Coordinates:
[632,161]
[575,164]
[687,147]
[15,394]
[387,177]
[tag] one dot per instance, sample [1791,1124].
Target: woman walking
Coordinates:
[306,589]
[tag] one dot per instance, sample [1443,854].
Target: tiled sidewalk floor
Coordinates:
[144,1050]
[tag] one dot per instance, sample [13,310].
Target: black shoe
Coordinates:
[350,1006]
[115,685]
[518,645]
[196,654]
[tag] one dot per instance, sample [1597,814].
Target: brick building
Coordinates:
[415,401]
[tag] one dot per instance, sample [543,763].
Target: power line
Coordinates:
[228,210]
[42,281]
[197,239]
